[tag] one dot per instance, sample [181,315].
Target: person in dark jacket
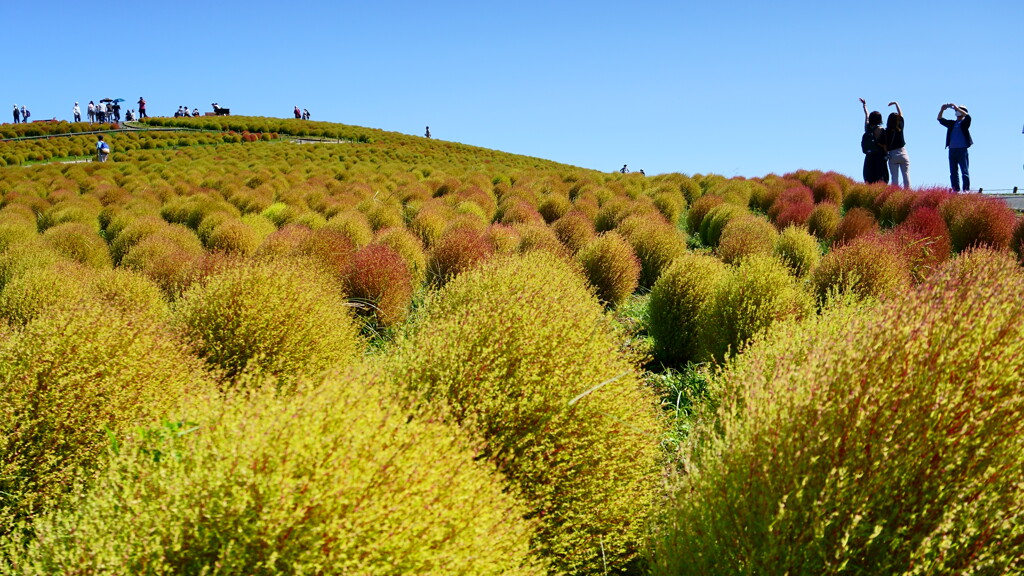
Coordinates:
[876,164]
[958,140]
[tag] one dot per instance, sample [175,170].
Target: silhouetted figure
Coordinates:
[624,170]
[428,132]
[958,140]
[142,108]
[876,163]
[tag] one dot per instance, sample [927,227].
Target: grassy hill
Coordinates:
[261,345]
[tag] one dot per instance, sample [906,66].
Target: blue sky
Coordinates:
[732,88]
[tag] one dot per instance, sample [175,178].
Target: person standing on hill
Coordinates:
[876,167]
[895,146]
[298,113]
[17,115]
[102,149]
[428,132]
[958,140]
[142,108]
[77,113]
[91,111]
[24,114]
[624,169]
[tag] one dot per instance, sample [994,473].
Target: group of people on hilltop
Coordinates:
[885,152]
[301,114]
[99,113]
[21,115]
[184,113]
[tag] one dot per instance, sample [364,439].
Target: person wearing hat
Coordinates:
[958,140]
[77,112]
[17,115]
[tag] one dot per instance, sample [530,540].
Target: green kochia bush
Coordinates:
[521,354]
[611,267]
[333,480]
[69,374]
[279,318]
[678,305]
[892,449]
[754,295]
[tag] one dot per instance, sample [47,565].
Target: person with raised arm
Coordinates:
[958,140]
[876,168]
[895,146]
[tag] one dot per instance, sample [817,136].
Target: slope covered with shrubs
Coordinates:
[396,340]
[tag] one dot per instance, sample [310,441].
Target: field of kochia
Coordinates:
[226,352]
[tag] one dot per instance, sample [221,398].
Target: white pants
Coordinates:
[899,161]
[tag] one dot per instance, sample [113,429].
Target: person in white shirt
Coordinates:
[77,112]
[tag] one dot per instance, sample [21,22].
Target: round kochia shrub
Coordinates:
[282,319]
[457,250]
[575,229]
[745,236]
[824,220]
[678,304]
[611,267]
[379,278]
[333,480]
[867,268]
[79,242]
[894,448]
[753,296]
[69,374]
[656,242]
[798,249]
[522,355]
[974,220]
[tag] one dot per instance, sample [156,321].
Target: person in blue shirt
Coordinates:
[958,140]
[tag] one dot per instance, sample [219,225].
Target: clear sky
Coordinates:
[725,87]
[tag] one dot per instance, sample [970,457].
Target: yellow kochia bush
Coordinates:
[68,375]
[280,318]
[521,354]
[335,479]
[892,446]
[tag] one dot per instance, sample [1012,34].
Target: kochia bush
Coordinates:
[335,479]
[867,268]
[379,278]
[745,236]
[611,267]
[753,296]
[281,319]
[678,305]
[974,220]
[824,220]
[798,250]
[68,375]
[522,355]
[893,448]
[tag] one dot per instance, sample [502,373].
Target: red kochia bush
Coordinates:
[924,239]
[1017,242]
[793,206]
[378,275]
[974,220]
[457,250]
[855,223]
[829,187]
